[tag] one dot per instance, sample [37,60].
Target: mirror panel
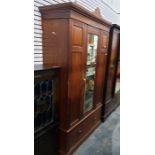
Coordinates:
[90,72]
[117,86]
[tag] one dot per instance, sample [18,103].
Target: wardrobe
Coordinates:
[76,40]
[111,98]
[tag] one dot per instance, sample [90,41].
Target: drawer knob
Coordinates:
[106,53]
[95,118]
[54,33]
[105,46]
[79,131]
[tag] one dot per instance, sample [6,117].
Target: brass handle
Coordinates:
[105,46]
[79,131]
[84,79]
[106,53]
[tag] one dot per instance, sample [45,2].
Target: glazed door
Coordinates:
[91,64]
[112,64]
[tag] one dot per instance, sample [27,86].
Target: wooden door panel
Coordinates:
[104,39]
[100,75]
[112,66]
[101,66]
[77,29]
[76,84]
[77,36]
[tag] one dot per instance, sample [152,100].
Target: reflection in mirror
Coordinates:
[117,86]
[90,71]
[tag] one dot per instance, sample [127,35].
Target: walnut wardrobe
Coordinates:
[111,91]
[77,41]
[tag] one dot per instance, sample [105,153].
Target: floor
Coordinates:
[105,140]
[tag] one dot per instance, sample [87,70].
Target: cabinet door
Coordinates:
[117,76]
[112,65]
[90,68]
[76,70]
[101,66]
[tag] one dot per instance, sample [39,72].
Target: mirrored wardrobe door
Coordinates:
[92,47]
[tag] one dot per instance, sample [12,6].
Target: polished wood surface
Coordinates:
[66,10]
[43,67]
[65,33]
[56,38]
[111,71]
[112,65]
[78,133]
[46,124]
[101,66]
[76,70]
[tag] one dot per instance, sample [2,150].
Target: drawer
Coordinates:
[84,128]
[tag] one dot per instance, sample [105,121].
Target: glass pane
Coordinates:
[90,71]
[117,87]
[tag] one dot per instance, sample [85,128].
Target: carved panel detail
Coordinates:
[77,36]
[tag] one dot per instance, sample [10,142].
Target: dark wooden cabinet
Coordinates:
[46,130]
[77,41]
[111,93]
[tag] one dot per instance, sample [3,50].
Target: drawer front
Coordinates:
[84,128]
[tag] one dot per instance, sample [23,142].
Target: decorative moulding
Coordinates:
[97,13]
